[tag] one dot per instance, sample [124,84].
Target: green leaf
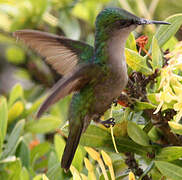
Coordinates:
[61,108]
[44,177]
[13,139]
[55,172]
[34,106]
[38,177]
[15,111]
[137,62]
[120,129]
[157,61]
[15,55]
[24,174]
[41,177]
[38,7]
[156,175]
[31,13]
[97,137]
[139,106]
[131,43]
[152,98]
[14,168]
[62,3]
[23,74]
[44,125]
[94,136]
[170,44]
[53,159]
[175,127]
[101,176]
[15,94]
[67,23]
[38,151]
[126,145]
[153,133]
[78,159]
[169,153]
[59,144]
[87,11]
[165,32]
[54,169]
[40,164]
[169,170]
[137,134]
[59,147]
[3,120]
[24,154]
[4,175]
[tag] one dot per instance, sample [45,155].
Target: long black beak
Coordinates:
[145,21]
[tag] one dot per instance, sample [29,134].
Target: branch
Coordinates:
[136,89]
[133,165]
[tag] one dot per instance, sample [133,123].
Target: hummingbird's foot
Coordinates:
[107,123]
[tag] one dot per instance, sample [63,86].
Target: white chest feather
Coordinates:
[116,61]
[116,47]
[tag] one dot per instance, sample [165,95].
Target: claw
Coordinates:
[109,122]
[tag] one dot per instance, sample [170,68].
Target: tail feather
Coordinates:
[71,146]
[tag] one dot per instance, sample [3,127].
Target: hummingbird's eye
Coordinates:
[122,23]
[125,23]
[133,21]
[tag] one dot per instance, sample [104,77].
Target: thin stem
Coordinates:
[112,133]
[147,53]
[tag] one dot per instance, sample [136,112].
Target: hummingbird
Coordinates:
[95,75]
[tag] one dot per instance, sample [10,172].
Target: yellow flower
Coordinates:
[108,162]
[96,156]
[166,73]
[176,51]
[165,96]
[83,176]
[178,108]
[90,169]
[75,173]
[178,116]
[131,176]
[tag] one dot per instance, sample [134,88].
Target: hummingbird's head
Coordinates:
[112,19]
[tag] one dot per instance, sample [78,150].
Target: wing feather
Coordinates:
[61,53]
[70,83]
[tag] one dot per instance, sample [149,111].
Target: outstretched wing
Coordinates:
[71,82]
[61,53]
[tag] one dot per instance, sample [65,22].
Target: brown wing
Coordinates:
[61,53]
[69,83]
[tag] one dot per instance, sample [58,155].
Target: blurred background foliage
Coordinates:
[31,149]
